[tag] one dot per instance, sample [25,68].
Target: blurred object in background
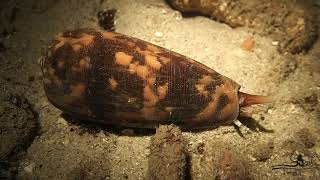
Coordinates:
[292,23]
[106,19]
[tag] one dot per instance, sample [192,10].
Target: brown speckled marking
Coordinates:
[148,113]
[152,62]
[206,80]
[77,90]
[55,79]
[164,60]
[142,71]
[61,64]
[162,91]
[113,84]
[84,63]
[229,102]
[76,93]
[150,97]
[81,66]
[202,85]
[145,52]
[151,81]
[153,49]
[226,93]
[108,35]
[133,67]
[76,43]
[123,59]
[111,36]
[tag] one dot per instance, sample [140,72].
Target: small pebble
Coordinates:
[101,134]
[275,43]
[177,15]
[292,107]
[29,168]
[66,142]
[248,44]
[158,34]
[62,122]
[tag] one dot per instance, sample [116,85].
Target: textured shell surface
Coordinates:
[111,78]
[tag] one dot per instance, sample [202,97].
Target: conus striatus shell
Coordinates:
[111,78]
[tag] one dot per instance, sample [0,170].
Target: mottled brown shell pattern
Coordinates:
[115,79]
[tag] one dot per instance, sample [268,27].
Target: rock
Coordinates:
[248,44]
[167,158]
[18,126]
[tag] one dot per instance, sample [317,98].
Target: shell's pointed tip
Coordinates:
[248,99]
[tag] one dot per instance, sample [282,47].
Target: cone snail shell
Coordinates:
[111,78]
